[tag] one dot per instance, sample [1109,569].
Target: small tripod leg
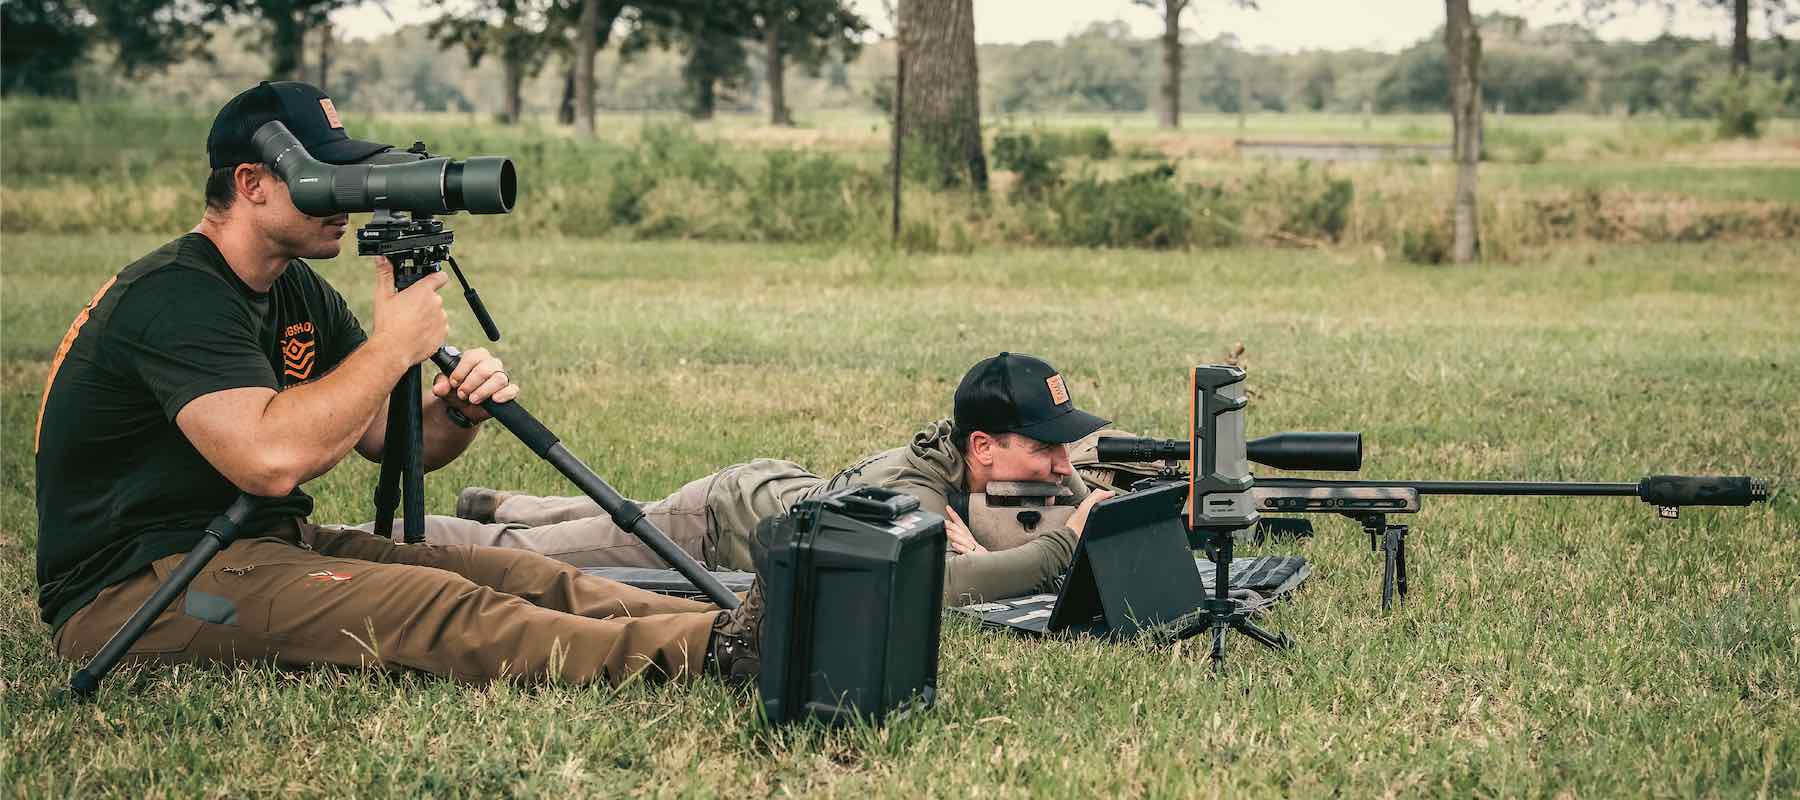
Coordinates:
[387,490]
[219,534]
[1279,641]
[413,475]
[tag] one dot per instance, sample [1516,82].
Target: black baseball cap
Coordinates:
[1014,393]
[302,107]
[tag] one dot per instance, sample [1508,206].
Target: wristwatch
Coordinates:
[458,418]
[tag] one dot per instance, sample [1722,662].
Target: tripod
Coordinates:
[420,244]
[415,246]
[1220,613]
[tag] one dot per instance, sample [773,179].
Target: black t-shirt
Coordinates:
[118,485]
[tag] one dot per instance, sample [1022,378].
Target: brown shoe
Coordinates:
[480,503]
[735,650]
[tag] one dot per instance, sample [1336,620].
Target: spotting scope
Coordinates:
[394,180]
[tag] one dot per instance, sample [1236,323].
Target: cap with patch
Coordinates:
[1014,393]
[302,107]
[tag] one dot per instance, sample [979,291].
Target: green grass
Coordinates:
[1551,647]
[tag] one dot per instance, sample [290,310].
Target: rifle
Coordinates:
[1369,502]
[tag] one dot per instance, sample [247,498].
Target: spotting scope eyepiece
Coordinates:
[479,185]
[1302,451]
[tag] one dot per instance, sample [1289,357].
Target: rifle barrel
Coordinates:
[1661,490]
[1538,488]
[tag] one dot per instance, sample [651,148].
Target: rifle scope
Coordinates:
[1308,450]
[417,184]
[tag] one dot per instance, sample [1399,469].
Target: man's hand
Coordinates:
[1079,520]
[479,376]
[962,541]
[411,324]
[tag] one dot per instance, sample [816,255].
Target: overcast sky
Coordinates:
[1283,25]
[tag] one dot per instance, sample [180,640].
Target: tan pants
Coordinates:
[711,518]
[307,594]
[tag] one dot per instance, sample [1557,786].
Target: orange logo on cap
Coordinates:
[1059,393]
[330,112]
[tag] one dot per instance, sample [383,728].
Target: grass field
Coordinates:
[1567,648]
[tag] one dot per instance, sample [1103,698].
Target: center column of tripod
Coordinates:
[402,456]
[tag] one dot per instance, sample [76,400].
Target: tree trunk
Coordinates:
[943,103]
[1169,116]
[587,41]
[1740,37]
[705,100]
[774,65]
[514,78]
[565,108]
[1463,46]
[287,46]
[325,57]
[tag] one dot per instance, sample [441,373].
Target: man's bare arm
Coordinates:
[267,442]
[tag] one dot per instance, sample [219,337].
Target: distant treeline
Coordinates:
[1101,69]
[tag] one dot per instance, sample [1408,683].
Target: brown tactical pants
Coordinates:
[305,594]
[711,518]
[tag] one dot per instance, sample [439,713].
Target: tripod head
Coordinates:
[417,244]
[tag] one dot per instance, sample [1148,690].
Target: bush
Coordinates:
[1424,244]
[1741,103]
[1216,216]
[800,197]
[1031,160]
[1142,210]
[1322,212]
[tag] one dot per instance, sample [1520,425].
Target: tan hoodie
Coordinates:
[932,470]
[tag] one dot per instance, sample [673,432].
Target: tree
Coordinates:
[1462,46]
[151,35]
[41,42]
[942,89]
[285,24]
[806,32]
[1169,113]
[519,32]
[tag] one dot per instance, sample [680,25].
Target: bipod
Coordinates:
[1390,540]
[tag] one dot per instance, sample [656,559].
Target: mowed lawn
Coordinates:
[1576,647]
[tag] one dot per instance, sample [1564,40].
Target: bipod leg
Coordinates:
[1400,561]
[1390,552]
[219,534]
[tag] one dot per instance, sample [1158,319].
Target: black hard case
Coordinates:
[855,600]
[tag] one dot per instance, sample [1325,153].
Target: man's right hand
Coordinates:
[411,323]
[1078,520]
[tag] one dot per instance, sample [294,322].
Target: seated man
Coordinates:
[222,363]
[1013,419]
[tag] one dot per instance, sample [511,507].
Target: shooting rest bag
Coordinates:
[855,600]
[1012,513]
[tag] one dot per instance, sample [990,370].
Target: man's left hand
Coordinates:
[478,377]
[960,538]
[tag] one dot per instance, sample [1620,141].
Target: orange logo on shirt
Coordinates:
[298,354]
